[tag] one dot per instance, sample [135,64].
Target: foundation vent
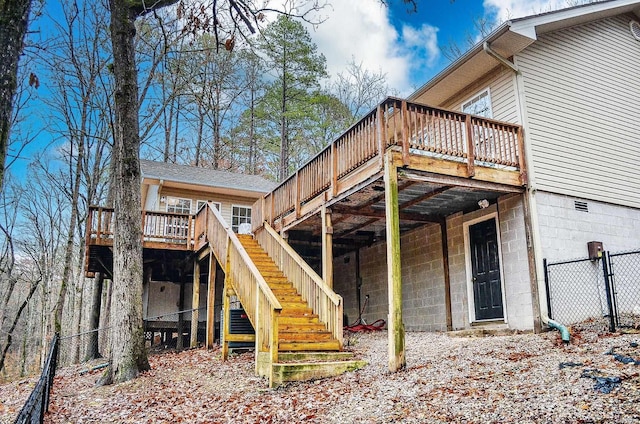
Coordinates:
[581,206]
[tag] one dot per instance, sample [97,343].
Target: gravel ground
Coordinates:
[501,379]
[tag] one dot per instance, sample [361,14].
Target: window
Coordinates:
[479,105]
[202,202]
[240,215]
[178,205]
[177,227]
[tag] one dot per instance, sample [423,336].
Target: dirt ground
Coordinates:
[522,378]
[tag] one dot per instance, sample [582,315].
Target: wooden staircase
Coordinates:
[307,350]
[300,329]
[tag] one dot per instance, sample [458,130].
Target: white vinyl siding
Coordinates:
[582,90]
[501,84]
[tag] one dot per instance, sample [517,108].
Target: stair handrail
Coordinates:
[259,303]
[321,298]
[234,242]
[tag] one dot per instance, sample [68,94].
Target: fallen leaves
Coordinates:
[495,379]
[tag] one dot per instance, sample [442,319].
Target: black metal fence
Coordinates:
[583,289]
[35,407]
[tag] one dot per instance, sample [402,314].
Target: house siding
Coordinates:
[582,90]
[501,85]
[226,202]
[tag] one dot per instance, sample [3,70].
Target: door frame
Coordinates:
[469,271]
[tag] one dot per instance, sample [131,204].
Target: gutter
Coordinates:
[488,50]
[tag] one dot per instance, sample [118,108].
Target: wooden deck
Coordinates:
[446,162]
[419,137]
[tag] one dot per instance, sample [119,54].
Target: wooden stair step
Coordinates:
[304,371]
[328,345]
[303,337]
[308,327]
[296,319]
[297,313]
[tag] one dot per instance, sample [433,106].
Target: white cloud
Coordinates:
[361,29]
[422,42]
[503,10]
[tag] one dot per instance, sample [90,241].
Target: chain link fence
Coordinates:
[625,281]
[583,289]
[38,402]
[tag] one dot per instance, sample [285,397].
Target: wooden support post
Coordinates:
[273,351]
[298,188]
[397,359]
[334,170]
[179,342]
[447,276]
[195,304]
[404,121]
[211,301]
[226,318]
[327,247]
[471,147]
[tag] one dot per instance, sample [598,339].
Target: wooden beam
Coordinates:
[424,197]
[359,227]
[447,274]
[327,247]
[397,360]
[195,304]
[211,299]
[453,181]
[375,213]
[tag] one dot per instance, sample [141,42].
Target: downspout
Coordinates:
[544,317]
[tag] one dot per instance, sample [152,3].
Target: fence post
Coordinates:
[546,286]
[607,287]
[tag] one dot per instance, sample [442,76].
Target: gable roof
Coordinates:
[509,39]
[204,177]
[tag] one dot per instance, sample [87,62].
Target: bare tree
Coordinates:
[14,16]
[359,89]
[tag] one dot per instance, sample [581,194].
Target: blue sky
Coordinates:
[405,46]
[408,46]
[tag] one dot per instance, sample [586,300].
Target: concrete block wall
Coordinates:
[515,263]
[344,283]
[457,272]
[565,231]
[422,277]
[423,273]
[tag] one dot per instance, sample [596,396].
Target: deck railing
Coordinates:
[163,227]
[258,301]
[415,129]
[322,299]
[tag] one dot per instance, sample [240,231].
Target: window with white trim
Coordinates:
[479,105]
[178,205]
[240,215]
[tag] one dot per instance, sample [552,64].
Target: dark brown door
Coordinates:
[485,270]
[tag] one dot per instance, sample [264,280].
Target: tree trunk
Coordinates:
[128,354]
[93,349]
[14,16]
